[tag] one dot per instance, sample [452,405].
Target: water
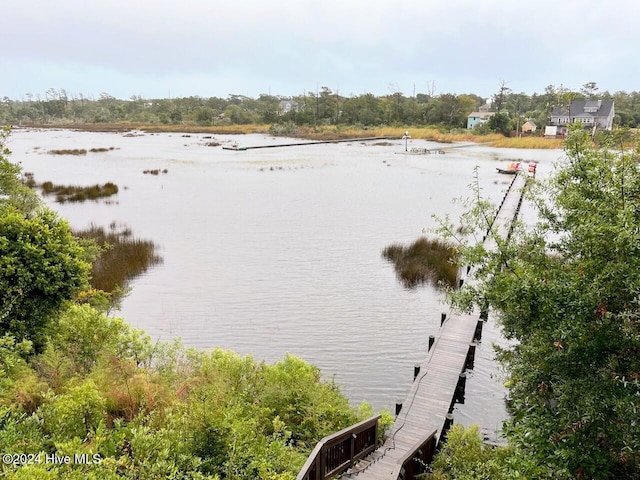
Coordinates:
[277,250]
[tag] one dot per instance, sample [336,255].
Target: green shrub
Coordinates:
[75,413]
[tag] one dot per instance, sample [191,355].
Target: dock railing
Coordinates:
[337,453]
[417,459]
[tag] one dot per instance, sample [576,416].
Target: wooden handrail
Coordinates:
[337,452]
[407,468]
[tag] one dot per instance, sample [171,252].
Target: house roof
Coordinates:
[578,106]
[482,114]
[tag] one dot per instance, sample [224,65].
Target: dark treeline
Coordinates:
[322,107]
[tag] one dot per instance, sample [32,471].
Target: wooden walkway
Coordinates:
[439,380]
[237,148]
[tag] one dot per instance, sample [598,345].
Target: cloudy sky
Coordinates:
[161,48]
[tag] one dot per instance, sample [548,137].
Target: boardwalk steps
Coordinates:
[439,381]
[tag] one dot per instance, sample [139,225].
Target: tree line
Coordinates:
[320,107]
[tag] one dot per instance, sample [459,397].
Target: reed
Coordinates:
[423,261]
[122,257]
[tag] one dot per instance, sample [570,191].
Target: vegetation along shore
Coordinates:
[325,114]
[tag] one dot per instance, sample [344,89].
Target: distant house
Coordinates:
[286,106]
[593,114]
[529,127]
[478,118]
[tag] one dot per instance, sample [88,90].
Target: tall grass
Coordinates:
[122,257]
[526,142]
[423,261]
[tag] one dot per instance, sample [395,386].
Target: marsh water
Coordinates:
[277,250]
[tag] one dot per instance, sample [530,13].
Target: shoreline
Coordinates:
[326,133]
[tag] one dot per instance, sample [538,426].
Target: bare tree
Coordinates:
[502,91]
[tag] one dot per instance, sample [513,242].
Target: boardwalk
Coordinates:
[237,148]
[440,379]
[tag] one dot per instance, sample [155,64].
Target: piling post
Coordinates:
[432,340]
[477,335]
[460,388]
[448,422]
[416,371]
[398,408]
[443,317]
[471,356]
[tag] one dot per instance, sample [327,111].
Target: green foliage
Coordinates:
[86,335]
[464,457]
[75,413]
[41,264]
[318,107]
[148,412]
[568,291]
[500,123]
[41,267]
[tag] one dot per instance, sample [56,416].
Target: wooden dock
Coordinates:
[238,148]
[427,409]
[439,381]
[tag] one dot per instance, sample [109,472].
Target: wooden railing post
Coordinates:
[352,445]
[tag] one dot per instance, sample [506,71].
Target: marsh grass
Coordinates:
[326,132]
[29,180]
[69,151]
[101,149]
[423,261]
[74,193]
[425,133]
[526,142]
[122,257]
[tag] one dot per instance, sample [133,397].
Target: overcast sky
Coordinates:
[178,48]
